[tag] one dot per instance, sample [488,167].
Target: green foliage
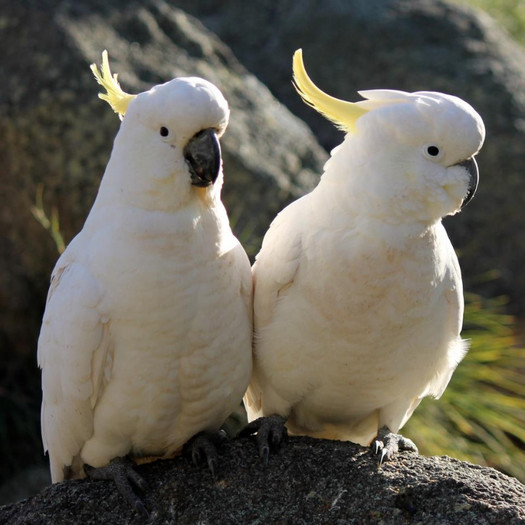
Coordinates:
[509,13]
[50,224]
[481,416]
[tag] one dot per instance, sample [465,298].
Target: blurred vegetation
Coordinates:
[481,416]
[52,223]
[509,13]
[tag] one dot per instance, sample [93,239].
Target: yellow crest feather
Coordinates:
[114,96]
[342,113]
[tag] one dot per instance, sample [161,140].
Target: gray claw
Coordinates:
[139,507]
[384,456]
[389,444]
[203,447]
[212,465]
[270,432]
[121,471]
[265,454]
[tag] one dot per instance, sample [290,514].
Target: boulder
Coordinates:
[309,482]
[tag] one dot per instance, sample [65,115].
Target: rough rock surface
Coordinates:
[309,482]
[410,45]
[57,135]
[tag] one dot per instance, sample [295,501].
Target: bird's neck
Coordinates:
[359,188]
[358,205]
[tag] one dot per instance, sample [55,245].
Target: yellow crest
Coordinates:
[114,96]
[343,114]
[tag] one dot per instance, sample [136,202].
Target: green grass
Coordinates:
[481,416]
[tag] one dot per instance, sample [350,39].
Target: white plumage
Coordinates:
[358,300]
[146,336]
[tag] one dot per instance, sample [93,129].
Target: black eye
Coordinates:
[164,132]
[433,151]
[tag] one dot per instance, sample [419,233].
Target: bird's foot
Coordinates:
[387,445]
[122,472]
[203,447]
[270,432]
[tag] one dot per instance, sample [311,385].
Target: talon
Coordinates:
[203,447]
[121,471]
[212,464]
[265,454]
[407,444]
[196,456]
[139,507]
[389,444]
[270,433]
[138,480]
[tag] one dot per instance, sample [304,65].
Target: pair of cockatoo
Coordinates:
[146,339]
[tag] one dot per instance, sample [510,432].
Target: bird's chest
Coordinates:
[374,286]
[162,289]
[171,313]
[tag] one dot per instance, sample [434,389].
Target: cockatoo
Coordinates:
[146,335]
[358,300]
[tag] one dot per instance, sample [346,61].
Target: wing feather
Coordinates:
[275,265]
[274,270]
[72,350]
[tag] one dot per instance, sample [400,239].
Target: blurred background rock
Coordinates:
[57,136]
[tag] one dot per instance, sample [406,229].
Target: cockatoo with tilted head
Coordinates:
[358,300]
[146,335]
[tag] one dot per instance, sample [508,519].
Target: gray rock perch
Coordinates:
[308,482]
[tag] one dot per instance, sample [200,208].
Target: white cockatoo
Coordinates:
[146,335]
[358,300]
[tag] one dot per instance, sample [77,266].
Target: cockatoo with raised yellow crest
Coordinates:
[358,300]
[146,335]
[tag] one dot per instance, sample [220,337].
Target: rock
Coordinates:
[410,45]
[309,482]
[57,136]
[25,483]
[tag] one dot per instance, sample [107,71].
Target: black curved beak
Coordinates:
[472,168]
[203,156]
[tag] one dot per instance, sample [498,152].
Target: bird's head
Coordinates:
[167,150]
[409,156]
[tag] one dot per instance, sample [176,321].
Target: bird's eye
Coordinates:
[433,151]
[164,131]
